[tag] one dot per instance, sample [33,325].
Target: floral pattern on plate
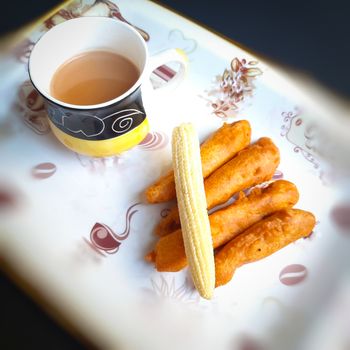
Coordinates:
[307,140]
[31,105]
[81,186]
[234,86]
[167,288]
[292,127]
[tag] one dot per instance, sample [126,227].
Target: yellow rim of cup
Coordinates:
[103,148]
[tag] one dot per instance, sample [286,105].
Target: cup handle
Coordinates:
[163,57]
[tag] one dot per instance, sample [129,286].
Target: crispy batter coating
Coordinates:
[163,190]
[168,224]
[253,165]
[169,254]
[223,144]
[261,240]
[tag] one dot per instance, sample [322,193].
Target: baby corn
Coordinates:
[193,209]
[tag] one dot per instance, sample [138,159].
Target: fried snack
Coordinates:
[193,208]
[223,144]
[261,240]
[168,224]
[225,224]
[252,166]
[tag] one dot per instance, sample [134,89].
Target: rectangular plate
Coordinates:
[77,228]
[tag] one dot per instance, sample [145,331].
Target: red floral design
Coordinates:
[115,12]
[72,10]
[294,117]
[66,14]
[31,105]
[23,50]
[77,8]
[233,86]
[313,141]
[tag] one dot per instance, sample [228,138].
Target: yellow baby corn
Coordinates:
[193,208]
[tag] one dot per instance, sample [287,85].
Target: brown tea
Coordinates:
[93,77]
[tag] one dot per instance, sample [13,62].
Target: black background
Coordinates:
[311,35]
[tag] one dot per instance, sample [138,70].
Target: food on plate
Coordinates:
[225,224]
[224,144]
[261,240]
[228,222]
[168,224]
[251,166]
[258,223]
[193,208]
[220,147]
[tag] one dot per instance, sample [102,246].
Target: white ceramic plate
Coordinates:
[77,228]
